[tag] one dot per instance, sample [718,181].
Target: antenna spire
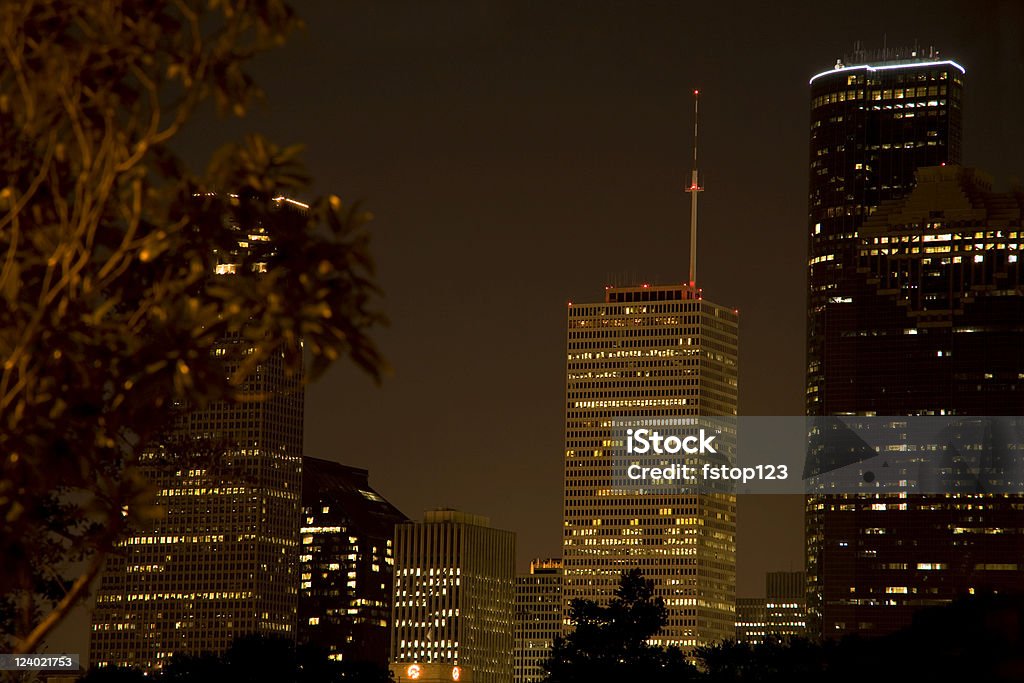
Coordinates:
[693,189]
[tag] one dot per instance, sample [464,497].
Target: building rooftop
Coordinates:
[888,58]
[455,517]
[348,488]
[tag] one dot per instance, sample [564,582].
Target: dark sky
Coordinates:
[518,155]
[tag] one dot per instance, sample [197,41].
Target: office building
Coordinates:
[538,618]
[781,614]
[346,563]
[923,320]
[454,598]
[876,117]
[222,560]
[873,124]
[657,354]
[751,620]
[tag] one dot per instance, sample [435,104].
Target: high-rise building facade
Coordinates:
[346,563]
[222,560]
[654,353]
[454,597]
[872,126]
[780,614]
[875,119]
[538,618]
[928,322]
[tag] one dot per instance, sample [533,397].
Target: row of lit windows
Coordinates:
[876,94]
[652,320]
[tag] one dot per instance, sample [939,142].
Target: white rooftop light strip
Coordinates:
[886,67]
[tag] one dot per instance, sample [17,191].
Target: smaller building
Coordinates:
[346,562]
[751,620]
[538,617]
[781,614]
[454,597]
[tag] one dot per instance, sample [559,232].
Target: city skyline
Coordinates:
[403,483]
[576,247]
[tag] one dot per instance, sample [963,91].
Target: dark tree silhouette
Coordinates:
[113,674]
[610,643]
[251,659]
[793,659]
[979,638]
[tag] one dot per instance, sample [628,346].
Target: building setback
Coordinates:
[454,598]
[538,618]
[929,323]
[346,563]
[653,353]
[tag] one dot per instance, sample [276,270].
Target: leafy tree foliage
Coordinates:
[108,307]
[610,643]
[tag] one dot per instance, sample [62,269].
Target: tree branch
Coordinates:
[78,590]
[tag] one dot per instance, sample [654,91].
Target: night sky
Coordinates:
[520,155]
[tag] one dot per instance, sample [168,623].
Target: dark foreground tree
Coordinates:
[794,660]
[113,674]
[108,308]
[978,638]
[610,643]
[252,659]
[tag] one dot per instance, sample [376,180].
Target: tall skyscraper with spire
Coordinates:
[652,353]
[914,309]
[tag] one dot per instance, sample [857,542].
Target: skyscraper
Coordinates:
[873,124]
[648,353]
[346,563]
[875,119]
[928,322]
[538,618]
[222,561]
[454,598]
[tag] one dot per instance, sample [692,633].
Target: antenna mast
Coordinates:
[693,189]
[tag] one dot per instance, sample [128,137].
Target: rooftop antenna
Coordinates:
[693,189]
